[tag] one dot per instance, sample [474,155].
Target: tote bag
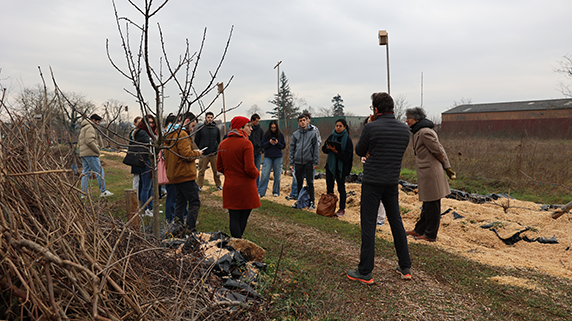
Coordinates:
[162,171]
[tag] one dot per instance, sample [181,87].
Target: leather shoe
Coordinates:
[413,233]
[424,238]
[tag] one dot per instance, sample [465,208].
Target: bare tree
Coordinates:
[254,109]
[400,104]
[462,101]
[566,69]
[180,74]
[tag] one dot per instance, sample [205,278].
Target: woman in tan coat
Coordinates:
[430,161]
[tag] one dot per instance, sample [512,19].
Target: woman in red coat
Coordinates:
[236,161]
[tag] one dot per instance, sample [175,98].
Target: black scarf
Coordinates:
[422,123]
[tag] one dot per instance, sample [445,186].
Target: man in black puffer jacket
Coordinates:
[208,137]
[383,142]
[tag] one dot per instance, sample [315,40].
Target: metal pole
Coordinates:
[278,90]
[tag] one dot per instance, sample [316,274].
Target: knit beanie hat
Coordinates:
[238,121]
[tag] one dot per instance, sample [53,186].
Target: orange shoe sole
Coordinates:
[368,282]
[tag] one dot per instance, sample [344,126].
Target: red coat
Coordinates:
[235,160]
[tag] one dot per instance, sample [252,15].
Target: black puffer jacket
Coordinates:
[208,136]
[386,140]
[256,138]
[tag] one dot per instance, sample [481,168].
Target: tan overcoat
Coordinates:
[430,162]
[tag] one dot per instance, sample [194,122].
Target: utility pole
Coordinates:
[278,93]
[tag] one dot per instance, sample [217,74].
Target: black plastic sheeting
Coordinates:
[238,276]
[516,237]
[456,215]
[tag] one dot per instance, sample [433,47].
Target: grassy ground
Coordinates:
[308,255]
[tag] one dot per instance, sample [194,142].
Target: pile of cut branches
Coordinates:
[65,258]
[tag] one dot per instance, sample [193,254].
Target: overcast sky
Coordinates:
[483,51]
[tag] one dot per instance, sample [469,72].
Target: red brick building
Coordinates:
[539,118]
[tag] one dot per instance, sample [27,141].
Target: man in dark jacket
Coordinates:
[383,142]
[304,156]
[256,140]
[208,137]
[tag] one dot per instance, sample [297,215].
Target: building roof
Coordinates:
[564,103]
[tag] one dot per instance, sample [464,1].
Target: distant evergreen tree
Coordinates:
[338,107]
[285,108]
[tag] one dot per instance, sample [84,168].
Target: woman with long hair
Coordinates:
[340,150]
[273,143]
[236,162]
[146,130]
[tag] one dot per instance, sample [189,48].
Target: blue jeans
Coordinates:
[257,159]
[146,186]
[270,164]
[91,164]
[170,203]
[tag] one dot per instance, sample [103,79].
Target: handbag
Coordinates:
[162,171]
[133,159]
[327,205]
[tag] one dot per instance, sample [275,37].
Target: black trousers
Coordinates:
[371,195]
[238,220]
[187,193]
[429,220]
[341,181]
[305,170]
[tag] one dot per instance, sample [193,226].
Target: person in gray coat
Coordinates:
[304,156]
[383,142]
[430,161]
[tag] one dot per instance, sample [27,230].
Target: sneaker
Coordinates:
[356,276]
[295,205]
[405,273]
[200,188]
[219,188]
[290,198]
[311,206]
[106,193]
[82,196]
[380,223]
[340,212]
[275,195]
[148,213]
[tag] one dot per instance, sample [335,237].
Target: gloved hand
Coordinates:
[452,175]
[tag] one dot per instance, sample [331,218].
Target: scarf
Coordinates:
[422,123]
[333,163]
[238,132]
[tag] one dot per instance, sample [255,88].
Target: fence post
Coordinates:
[131,206]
